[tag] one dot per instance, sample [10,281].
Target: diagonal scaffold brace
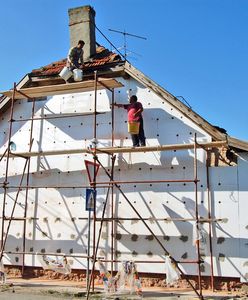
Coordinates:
[199,295]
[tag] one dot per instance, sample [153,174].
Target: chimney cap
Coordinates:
[85,7]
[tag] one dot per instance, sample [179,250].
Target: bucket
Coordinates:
[133,127]
[78,74]
[66,73]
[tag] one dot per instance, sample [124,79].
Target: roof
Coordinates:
[102,58]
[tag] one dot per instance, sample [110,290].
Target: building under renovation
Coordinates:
[184,194]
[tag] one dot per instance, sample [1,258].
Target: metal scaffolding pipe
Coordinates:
[161,219]
[51,117]
[100,257]
[113,225]
[27,189]
[7,154]
[110,150]
[145,181]
[210,225]
[53,187]
[197,216]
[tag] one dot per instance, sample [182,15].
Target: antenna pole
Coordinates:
[124,33]
[125,45]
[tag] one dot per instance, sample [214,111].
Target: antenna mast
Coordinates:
[125,34]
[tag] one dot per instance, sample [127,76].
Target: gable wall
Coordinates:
[55,208]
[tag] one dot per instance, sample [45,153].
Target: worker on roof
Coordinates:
[75,56]
[134,115]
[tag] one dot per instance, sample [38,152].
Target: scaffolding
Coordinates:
[112,185]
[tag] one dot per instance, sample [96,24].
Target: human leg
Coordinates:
[135,140]
[141,135]
[75,64]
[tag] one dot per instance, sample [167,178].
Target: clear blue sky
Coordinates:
[194,48]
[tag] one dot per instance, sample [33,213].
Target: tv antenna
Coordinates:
[125,34]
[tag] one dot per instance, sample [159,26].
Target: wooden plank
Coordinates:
[66,88]
[236,143]
[111,150]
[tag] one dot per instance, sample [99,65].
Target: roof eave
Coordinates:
[5,103]
[237,143]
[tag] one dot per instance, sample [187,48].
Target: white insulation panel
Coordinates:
[57,219]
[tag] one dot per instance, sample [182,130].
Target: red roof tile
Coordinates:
[102,57]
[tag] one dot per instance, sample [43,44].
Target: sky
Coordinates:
[197,49]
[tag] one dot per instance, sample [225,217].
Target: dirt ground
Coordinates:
[40,289]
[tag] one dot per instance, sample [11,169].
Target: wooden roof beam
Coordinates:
[66,88]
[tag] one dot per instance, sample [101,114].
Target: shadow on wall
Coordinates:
[43,246]
[53,233]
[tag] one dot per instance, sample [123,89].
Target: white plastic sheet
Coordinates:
[126,276]
[56,265]
[199,235]
[108,281]
[172,273]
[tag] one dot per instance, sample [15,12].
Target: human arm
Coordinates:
[70,55]
[119,105]
[81,58]
[72,61]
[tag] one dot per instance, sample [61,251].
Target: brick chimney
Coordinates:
[82,27]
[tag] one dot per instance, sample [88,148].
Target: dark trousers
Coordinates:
[75,65]
[139,139]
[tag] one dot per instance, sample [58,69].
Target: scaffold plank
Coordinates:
[66,88]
